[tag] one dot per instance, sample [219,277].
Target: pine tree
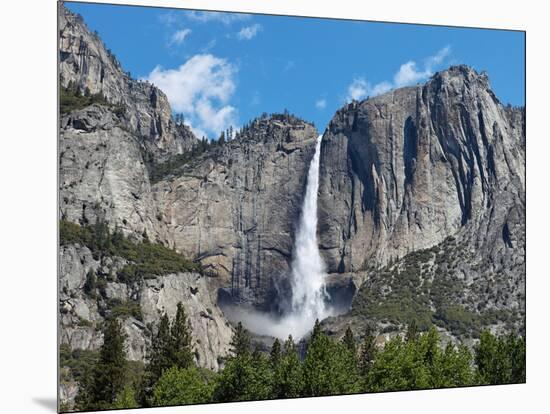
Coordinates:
[108,376]
[316,331]
[349,342]
[245,376]
[240,342]
[260,385]
[368,352]
[181,386]
[182,352]
[275,354]
[161,349]
[516,351]
[112,363]
[91,283]
[328,367]
[500,360]
[288,376]
[412,332]
[126,399]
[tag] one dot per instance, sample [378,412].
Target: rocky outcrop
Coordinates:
[423,190]
[235,209]
[102,174]
[211,331]
[402,171]
[82,313]
[86,64]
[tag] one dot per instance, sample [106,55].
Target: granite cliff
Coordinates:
[421,206]
[423,194]
[402,171]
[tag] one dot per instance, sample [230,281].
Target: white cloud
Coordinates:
[357,89]
[248,32]
[321,104]
[208,16]
[178,37]
[200,89]
[380,88]
[438,58]
[408,74]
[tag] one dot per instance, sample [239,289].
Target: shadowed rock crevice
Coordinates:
[410,149]
[421,164]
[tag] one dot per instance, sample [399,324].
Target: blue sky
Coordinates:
[222,69]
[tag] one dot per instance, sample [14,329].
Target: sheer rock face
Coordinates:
[102,174]
[398,173]
[402,171]
[88,65]
[81,313]
[233,208]
[236,208]
[211,331]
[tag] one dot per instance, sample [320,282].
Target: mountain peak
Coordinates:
[86,65]
[286,125]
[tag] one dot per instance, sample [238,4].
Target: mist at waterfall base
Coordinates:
[309,295]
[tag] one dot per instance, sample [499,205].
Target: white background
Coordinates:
[28,203]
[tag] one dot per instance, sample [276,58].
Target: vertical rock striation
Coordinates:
[235,209]
[86,64]
[402,171]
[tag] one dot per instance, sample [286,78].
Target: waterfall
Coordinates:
[308,270]
[307,274]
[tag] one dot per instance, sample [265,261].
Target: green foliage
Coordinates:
[179,386]
[71,233]
[328,367]
[125,399]
[368,354]
[452,368]
[147,259]
[412,332]
[160,356]
[182,350]
[423,287]
[80,362]
[159,170]
[349,342]
[240,342]
[108,379]
[275,354]
[419,364]
[91,283]
[64,407]
[245,377]
[288,380]
[171,347]
[70,99]
[125,309]
[500,360]
[84,322]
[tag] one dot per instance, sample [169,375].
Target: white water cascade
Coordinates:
[308,270]
[307,278]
